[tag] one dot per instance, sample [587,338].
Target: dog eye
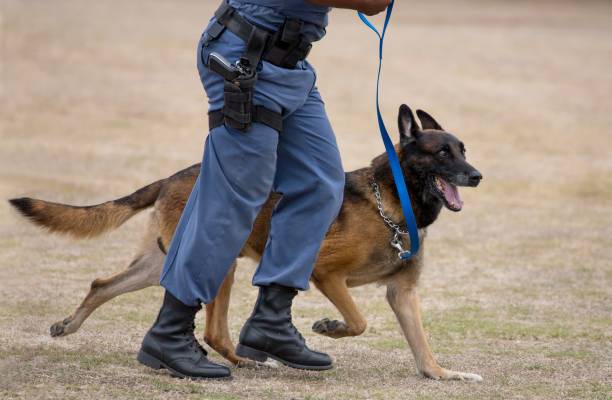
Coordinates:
[442,153]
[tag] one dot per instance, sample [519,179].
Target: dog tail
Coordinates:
[87,221]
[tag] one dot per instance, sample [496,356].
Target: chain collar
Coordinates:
[396,242]
[395,227]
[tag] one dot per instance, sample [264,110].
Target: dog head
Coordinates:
[434,157]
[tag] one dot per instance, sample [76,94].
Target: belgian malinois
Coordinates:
[434,164]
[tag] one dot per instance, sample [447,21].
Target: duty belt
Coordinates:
[283,48]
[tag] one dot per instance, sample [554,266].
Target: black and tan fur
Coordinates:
[355,252]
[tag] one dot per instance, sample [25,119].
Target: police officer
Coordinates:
[269,132]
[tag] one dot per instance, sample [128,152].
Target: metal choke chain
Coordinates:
[396,242]
[396,228]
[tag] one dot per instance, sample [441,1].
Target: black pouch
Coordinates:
[288,45]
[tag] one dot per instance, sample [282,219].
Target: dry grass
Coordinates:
[100,97]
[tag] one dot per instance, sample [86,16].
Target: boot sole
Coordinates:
[262,356]
[152,362]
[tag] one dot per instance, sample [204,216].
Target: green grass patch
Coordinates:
[571,354]
[388,344]
[33,308]
[83,358]
[472,321]
[592,391]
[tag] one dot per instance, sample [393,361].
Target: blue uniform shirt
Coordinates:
[270,14]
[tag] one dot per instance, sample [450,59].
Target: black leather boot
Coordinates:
[269,332]
[171,344]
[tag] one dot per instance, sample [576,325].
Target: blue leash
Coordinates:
[398,176]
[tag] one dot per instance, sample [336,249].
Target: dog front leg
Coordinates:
[404,301]
[335,289]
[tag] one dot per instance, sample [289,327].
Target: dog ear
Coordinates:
[407,124]
[427,121]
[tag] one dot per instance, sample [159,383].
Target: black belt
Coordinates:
[283,48]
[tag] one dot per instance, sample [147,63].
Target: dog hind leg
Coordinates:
[216,333]
[334,287]
[144,271]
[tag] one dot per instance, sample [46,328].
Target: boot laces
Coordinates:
[192,341]
[295,330]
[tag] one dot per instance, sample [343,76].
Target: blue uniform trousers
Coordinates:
[238,172]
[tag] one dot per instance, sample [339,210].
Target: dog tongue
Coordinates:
[451,194]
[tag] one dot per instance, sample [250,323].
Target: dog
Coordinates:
[356,250]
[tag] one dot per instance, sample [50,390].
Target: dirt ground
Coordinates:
[102,97]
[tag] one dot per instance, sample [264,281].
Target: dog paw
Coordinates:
[469,377]
[62,328]
[332,328]
[241,362]
[250,364]
[269,363]
[448,375]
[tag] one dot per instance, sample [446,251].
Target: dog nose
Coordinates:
[475,178]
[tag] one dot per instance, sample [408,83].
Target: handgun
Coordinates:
[219,64]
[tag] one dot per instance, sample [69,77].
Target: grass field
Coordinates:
[102,97]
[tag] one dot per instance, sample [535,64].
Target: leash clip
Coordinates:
[397,243]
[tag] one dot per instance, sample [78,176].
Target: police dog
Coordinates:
[434,165]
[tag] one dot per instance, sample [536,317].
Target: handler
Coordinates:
[268,132]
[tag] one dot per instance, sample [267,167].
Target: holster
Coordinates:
[238,102]
[284,48]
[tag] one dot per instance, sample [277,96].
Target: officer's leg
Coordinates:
[234,182]
[236,176]
[310,177]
